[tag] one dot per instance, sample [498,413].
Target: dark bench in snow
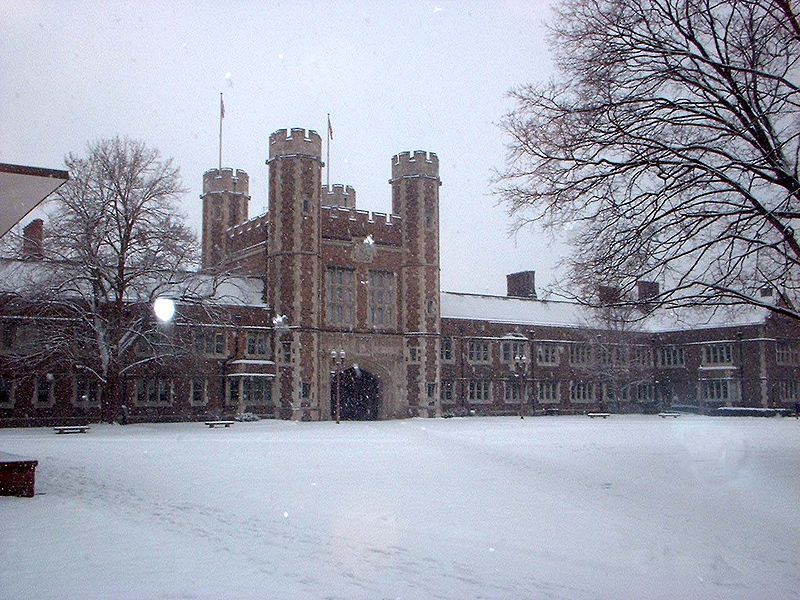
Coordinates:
[71,429]
[213,424]
[601,415]
[17,475]
[664,415]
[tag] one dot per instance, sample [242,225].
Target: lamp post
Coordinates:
[739,336]
[520,372]
[337,358]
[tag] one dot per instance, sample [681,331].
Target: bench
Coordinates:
[664,415]
[213,424]
[601,415]
[17,475]
[72,429]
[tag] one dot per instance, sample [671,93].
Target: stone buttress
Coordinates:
[293,268]
[415,197]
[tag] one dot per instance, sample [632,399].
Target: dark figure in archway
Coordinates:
[359,395]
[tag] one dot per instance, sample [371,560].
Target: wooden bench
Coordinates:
[72,429]
[213,424]
[601,415]
[17,475]
[664,415]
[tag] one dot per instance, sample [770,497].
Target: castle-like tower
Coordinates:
[294,267]
[225,199]
[415,197]
[342,280]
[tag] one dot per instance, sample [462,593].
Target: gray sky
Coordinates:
[395,76]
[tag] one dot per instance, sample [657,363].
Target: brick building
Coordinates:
[329,297]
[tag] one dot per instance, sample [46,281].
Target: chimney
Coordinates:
[32,244]
[646,290]
[608,294]
[522,284]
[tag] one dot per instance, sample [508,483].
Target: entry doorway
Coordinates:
[359,395]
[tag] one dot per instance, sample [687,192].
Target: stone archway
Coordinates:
[360,395]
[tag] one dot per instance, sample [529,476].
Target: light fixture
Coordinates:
[164,309]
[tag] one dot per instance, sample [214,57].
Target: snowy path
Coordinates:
[554,507]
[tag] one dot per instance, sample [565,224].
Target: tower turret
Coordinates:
[293,265]
[225,199]
[415,197]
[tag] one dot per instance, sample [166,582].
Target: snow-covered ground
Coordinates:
[550,507]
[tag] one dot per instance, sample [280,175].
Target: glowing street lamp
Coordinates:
[164,309]
[519,367]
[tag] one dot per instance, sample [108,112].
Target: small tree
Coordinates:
[617,359]
[116,242]
[672,139]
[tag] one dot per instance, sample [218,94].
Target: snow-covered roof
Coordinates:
[505,309]
[17,276]
[724,316]
[231,291]
[557,313]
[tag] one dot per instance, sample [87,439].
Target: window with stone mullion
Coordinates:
[340,296]
[381,298]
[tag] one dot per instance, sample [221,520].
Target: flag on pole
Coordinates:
[221,107]
[330,129]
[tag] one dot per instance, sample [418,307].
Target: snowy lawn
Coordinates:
[548,507]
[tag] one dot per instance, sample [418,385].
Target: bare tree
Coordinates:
[670,142]
[617,354]
[116,242]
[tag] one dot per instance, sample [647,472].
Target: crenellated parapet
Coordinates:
[235,181]
[255,228]
[338,195]
[415,164]
[225,203]
[346,224]
[296,142]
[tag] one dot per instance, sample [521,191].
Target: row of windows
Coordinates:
[549,353]
[548,391]
[788,353]
[212,342]
[257,391]
[717,354]
[149,391]
[789,391]
[85,393]
[249,391]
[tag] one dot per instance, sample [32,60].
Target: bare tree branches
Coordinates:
[673,143]
[116,242]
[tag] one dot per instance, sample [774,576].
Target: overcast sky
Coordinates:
[395,76]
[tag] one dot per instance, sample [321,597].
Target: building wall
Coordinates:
[423,362]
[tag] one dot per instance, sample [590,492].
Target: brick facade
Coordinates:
[367,283]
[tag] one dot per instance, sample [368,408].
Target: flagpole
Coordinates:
[328,157]
[221,115]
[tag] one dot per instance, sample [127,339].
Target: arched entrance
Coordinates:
[359,395]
